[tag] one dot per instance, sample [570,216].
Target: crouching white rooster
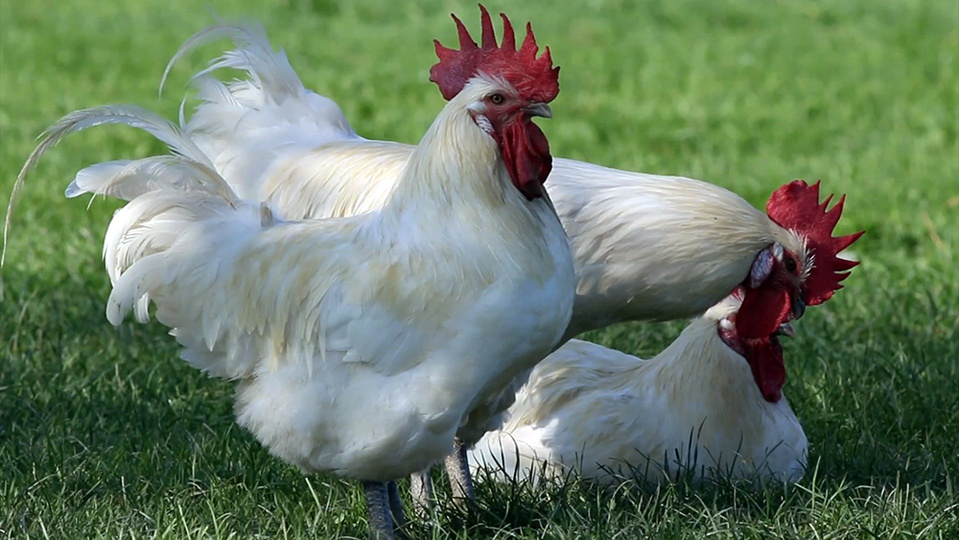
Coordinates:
[359,344]
[693,411]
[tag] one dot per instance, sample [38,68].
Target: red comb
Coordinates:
[535,78]
[796,206]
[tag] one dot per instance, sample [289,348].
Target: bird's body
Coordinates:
[356,340]
[693,411]
[415,307]
[359,344]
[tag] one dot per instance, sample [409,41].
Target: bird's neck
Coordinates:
[455,164]
[455,185]
[699,363]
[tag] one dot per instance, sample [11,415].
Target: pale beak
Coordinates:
[536,108]
[798,306]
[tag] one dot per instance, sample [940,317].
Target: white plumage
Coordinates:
[358,344]
[692,411]
[645,246]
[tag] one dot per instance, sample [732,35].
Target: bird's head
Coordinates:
[803,269]
[507,88]
[764,354]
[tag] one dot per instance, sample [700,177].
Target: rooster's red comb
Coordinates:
[535,78]
[796,206]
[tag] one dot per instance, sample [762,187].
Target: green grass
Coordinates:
[104,433]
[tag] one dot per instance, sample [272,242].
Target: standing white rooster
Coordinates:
[359,344]
[709,405]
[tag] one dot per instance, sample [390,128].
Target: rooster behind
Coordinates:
[710,404]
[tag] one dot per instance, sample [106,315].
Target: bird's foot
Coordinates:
[458,469]
[378,504]
[421,488]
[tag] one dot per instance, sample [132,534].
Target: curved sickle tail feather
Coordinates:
[188,166]
[181,231]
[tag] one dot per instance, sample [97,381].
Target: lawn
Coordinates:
[105,433]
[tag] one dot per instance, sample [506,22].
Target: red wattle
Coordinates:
[765,357]
[762,311]
[526,154]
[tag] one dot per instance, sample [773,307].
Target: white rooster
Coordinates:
[694,411]
[645,246]
[359,344]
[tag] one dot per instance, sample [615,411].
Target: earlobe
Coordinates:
[483,122]
[762,267]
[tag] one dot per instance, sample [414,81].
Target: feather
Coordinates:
[111,114]
[269,70]
[247,126]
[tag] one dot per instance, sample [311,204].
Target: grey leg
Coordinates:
[421,487]
[396,506]
[378,503]
[458,469]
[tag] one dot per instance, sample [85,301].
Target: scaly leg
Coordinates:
[378,503]
[396,508]
[421,487]
[458,469]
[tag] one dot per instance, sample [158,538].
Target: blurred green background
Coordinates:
[104,433]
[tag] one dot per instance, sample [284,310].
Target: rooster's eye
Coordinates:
[497,99]
[790,264]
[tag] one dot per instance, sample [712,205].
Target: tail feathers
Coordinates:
[178,249]
[273,87]
[175,242]
[248,126]
[270,71]
[166,194]
[148,225]
[127,180]
[106,176]
[130,115]
[162,238]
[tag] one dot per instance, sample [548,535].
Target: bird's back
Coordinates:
[693,409]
